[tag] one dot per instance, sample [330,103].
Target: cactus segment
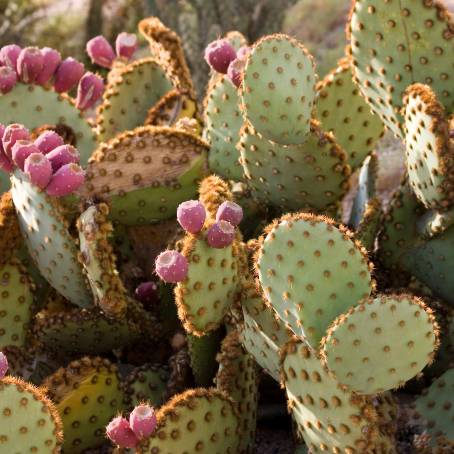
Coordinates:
[433,223]
[203,351]
[99,260]
[367,230]
[395,44]
[278,89]
[77,391]
[74,332]
[147,383]
[436,407]
[429,150]
[310,272]
[210,288]
[310,176]
[48,240]
[237,377]
[328,417]
[10,234]
[223,122]
[207,420]
[263,334]
[129,96]
[35,106]
[16,300]
[344,112]
[146,173]
[29,420]
[380,344]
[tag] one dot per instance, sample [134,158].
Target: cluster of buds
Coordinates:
[45,67]
[102,53]
[48,162]
[224,59]
[171,266]
[127,434]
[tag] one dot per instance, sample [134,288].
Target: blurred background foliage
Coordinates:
[67,24]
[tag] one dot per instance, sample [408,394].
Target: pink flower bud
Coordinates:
[11,134]
[22,149]
[66,180]
[121,434]
[219,54]
[38,169]
[100,51]
[64,154]
[52,59]
[30,64]
[47,141]
[90,89]
[9,55]
[126,45]
[8,79]
[142,421]
[171,266]
[68,75]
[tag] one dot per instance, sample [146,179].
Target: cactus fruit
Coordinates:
[120,433]
[143,421]
[100,51]
[171,266]
[220,234]
[230,212]
[191,216]
[68,74]
[89,90]
[8,79]
[126,45]
[30,64]
[219,54]
[51,61]
[9,55]
[38,169]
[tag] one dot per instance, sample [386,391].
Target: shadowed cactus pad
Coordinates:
[397,43]
[344,112]
[429,150]
[146,173]
[197,420]
[278,89]
[310,272]
[48,240]
[381,343]
[29,420]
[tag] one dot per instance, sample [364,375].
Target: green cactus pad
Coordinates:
[129,96]
[344,112]
[210,287]
[35,106]
[10,234]
[366,189]
[147,383]
[237,377]
[146,173]
[310,272]
[381,343]
[197,420]
[99,260]
[312,176]
[429,149]
[397,43]
[48,240]
[398,227]
[29,421]
[328,417]
[16,299]
[203,351]
[433,222]
[87,395]
[75,332]
[263,334]
[223,122]
[278,89]
[436,406]
[370,224]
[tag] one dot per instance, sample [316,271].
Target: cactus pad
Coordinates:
[344,112]
[48,240]
[98,260]
[367,229]
[397,43]
[310,272]
[309,176]
[29,420]
[223,122]
[381,343]
[278,89]
[328,417]
[197,420]
[146,173]
[146,383]
[35,106]
[429,150]
[129,96]
[78,390]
